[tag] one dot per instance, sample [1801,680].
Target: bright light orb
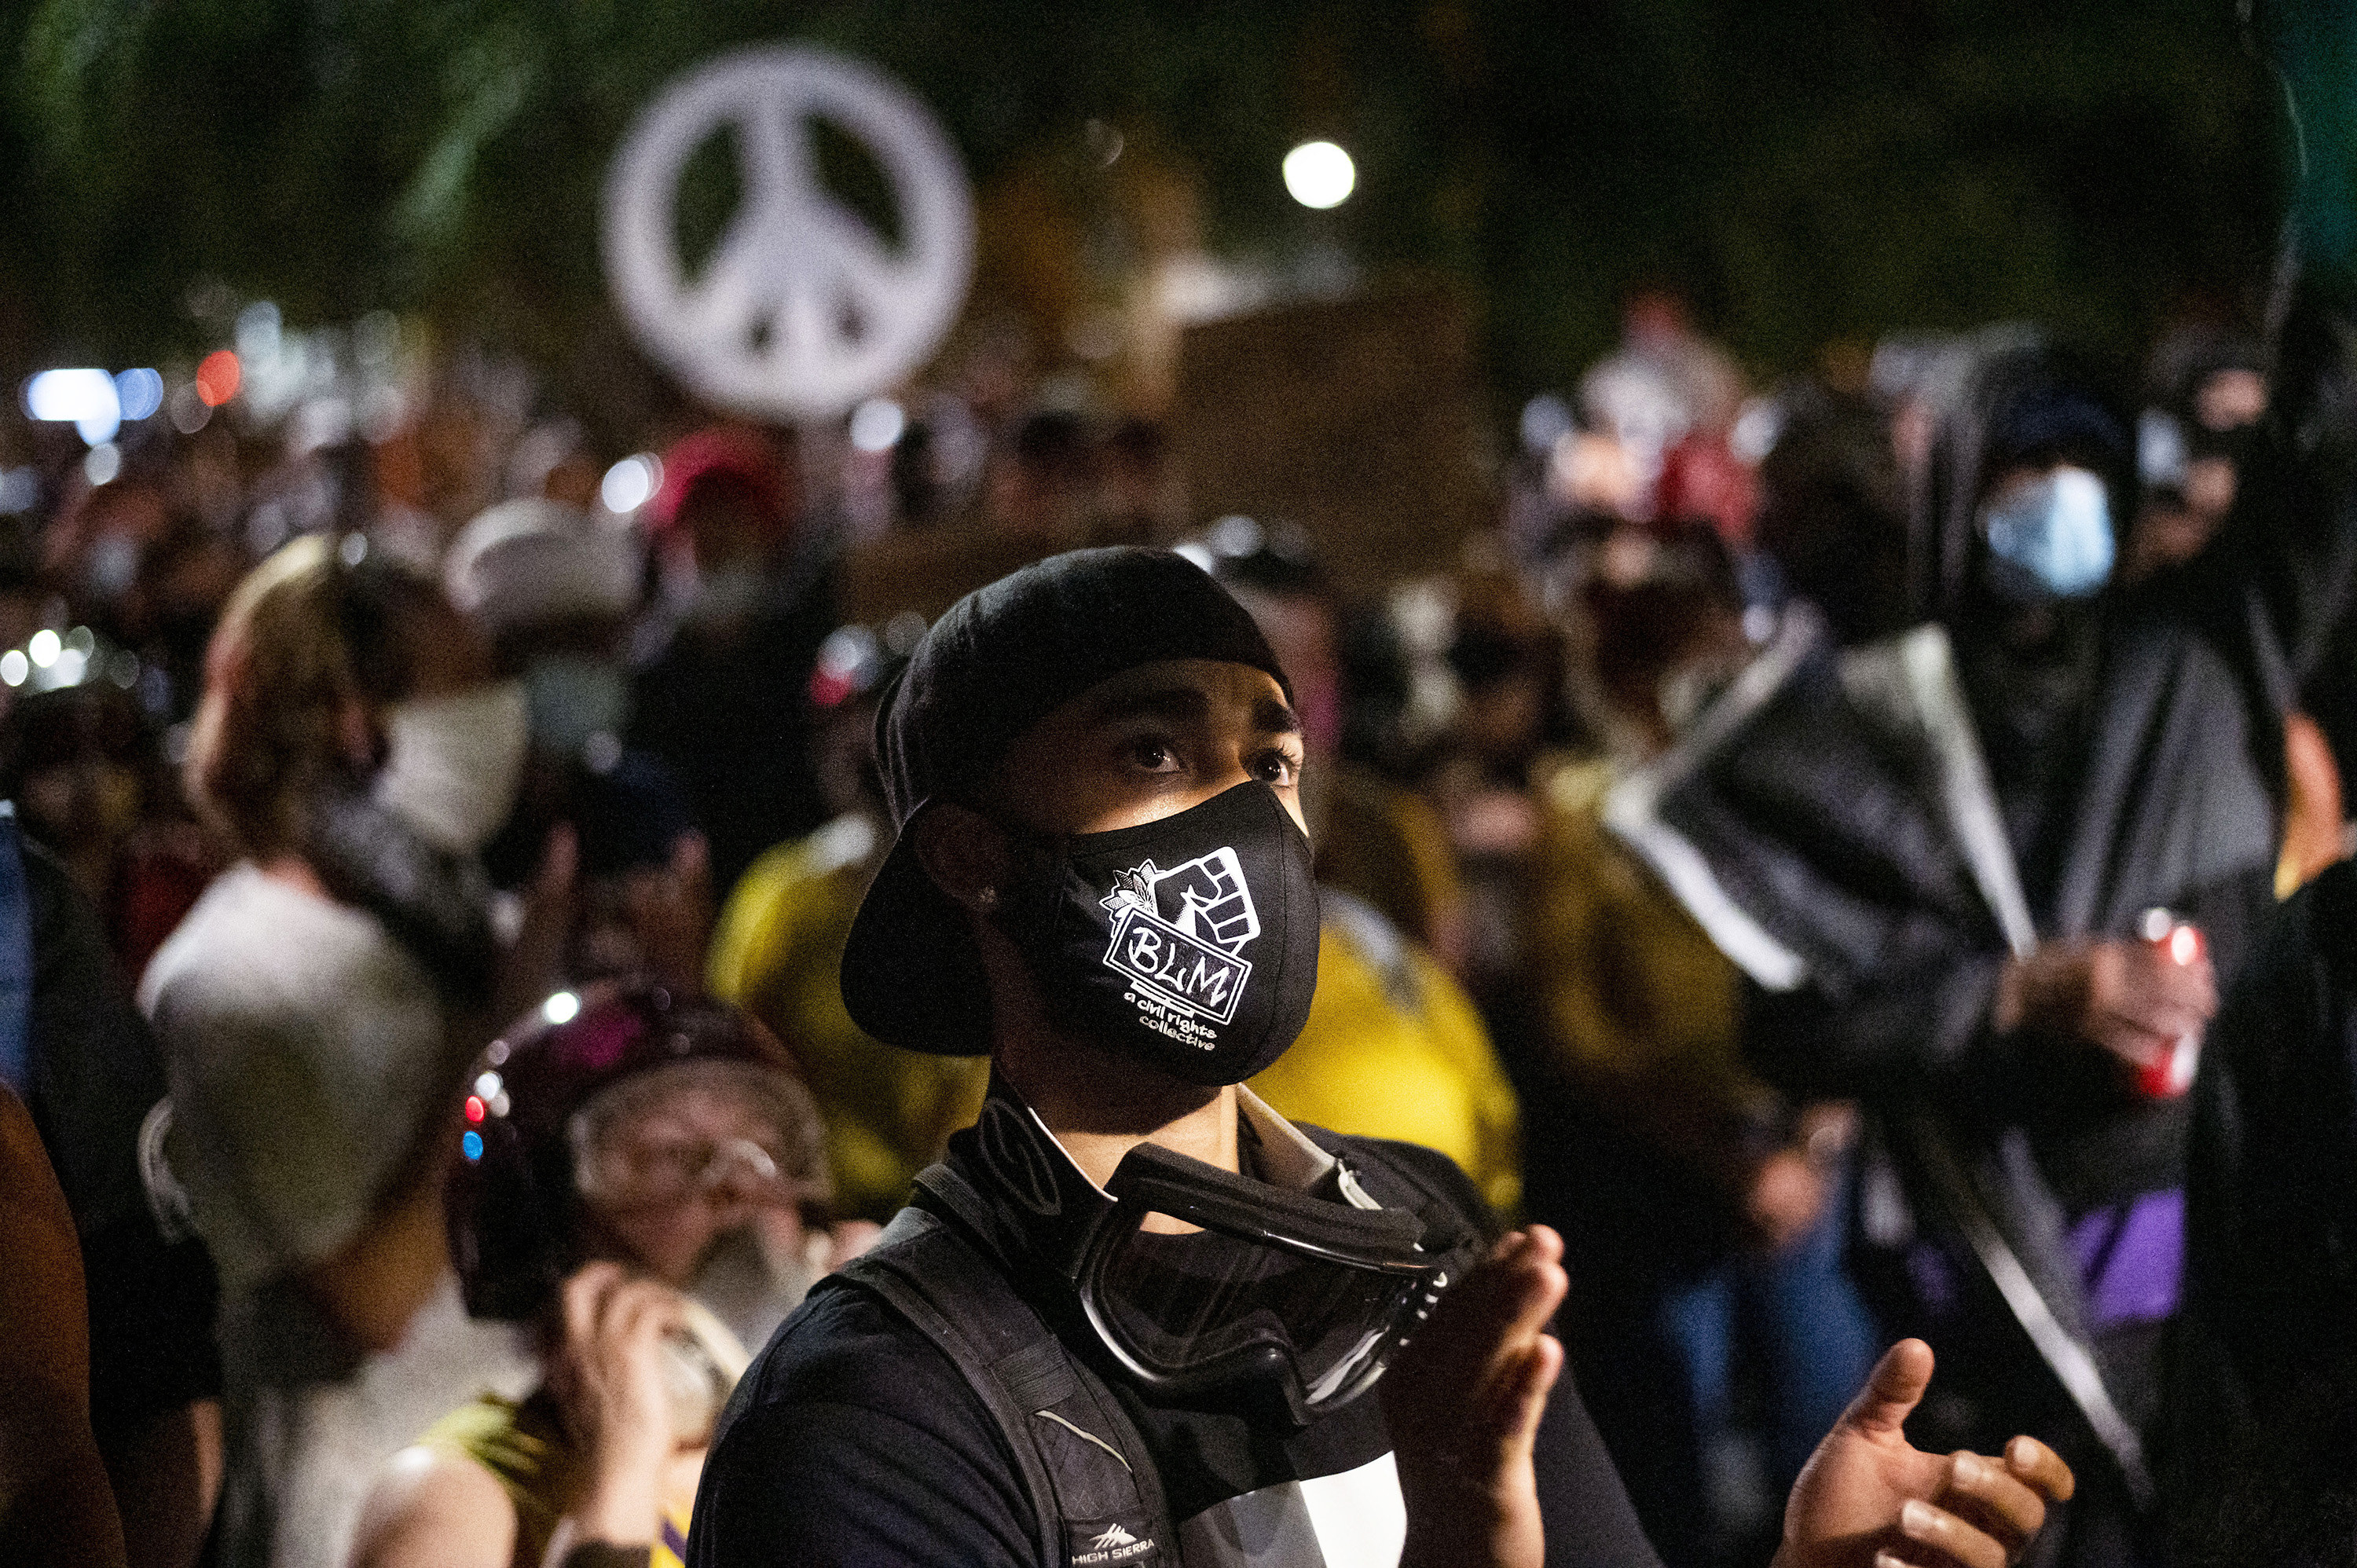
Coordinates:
[140,392]
[85,397]
[630,483]
[1320,175]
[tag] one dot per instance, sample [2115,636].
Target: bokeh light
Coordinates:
[630,483]
[218,377]
[83,398]
[1320,175]
[139,393]
[876,423]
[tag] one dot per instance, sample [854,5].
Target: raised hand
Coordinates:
[1869,1500]
[2129,998]
[608,1380]
[533,964]
[670,912]
[1463,1402]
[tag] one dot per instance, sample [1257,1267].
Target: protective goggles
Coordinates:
[1205,1284]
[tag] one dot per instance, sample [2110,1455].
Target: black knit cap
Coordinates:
[1001,659]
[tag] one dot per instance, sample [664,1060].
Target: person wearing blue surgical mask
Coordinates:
[1990,877]
[2049,532]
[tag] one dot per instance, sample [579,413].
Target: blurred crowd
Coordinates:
[440,832]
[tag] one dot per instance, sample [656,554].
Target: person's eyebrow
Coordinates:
[1271,717]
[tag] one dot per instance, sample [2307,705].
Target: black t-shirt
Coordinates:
[96,1075]
[855,1439]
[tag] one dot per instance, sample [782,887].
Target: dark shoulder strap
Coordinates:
[1092,1485]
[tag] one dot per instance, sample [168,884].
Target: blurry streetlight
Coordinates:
[1320,174]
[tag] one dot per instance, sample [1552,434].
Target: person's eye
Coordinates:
[1153,753]
[1277,768]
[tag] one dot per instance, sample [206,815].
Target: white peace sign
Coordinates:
[802,309]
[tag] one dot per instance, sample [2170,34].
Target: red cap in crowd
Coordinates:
[720,456]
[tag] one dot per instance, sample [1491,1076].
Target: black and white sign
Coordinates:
[802,309]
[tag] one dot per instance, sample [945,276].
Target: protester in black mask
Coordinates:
[1135,1317]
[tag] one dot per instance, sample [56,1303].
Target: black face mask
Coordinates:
[1191,943]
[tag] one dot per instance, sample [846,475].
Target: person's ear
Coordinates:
[966,855]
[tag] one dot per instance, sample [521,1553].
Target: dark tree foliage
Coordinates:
[1803,169]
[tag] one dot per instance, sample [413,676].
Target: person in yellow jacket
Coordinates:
[778,954]
[1394,1049]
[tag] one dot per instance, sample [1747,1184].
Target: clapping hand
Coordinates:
[1869,1500]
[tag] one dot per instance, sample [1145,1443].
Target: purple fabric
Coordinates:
[1934,1275]
[2130,1256]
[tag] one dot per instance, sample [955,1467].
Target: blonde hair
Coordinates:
[302,638]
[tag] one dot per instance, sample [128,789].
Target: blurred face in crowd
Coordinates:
[323,674]
[2231,399]
[727,525]
[446,654]
[1300,631]
[2178,523]
[80,788]
[446,657]
[91,800]
[671,1161]
[1043,487]
[2049,532]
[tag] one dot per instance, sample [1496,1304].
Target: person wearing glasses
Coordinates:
[642,1180]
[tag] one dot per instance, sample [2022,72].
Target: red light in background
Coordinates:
[218,377]
[474,1108]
